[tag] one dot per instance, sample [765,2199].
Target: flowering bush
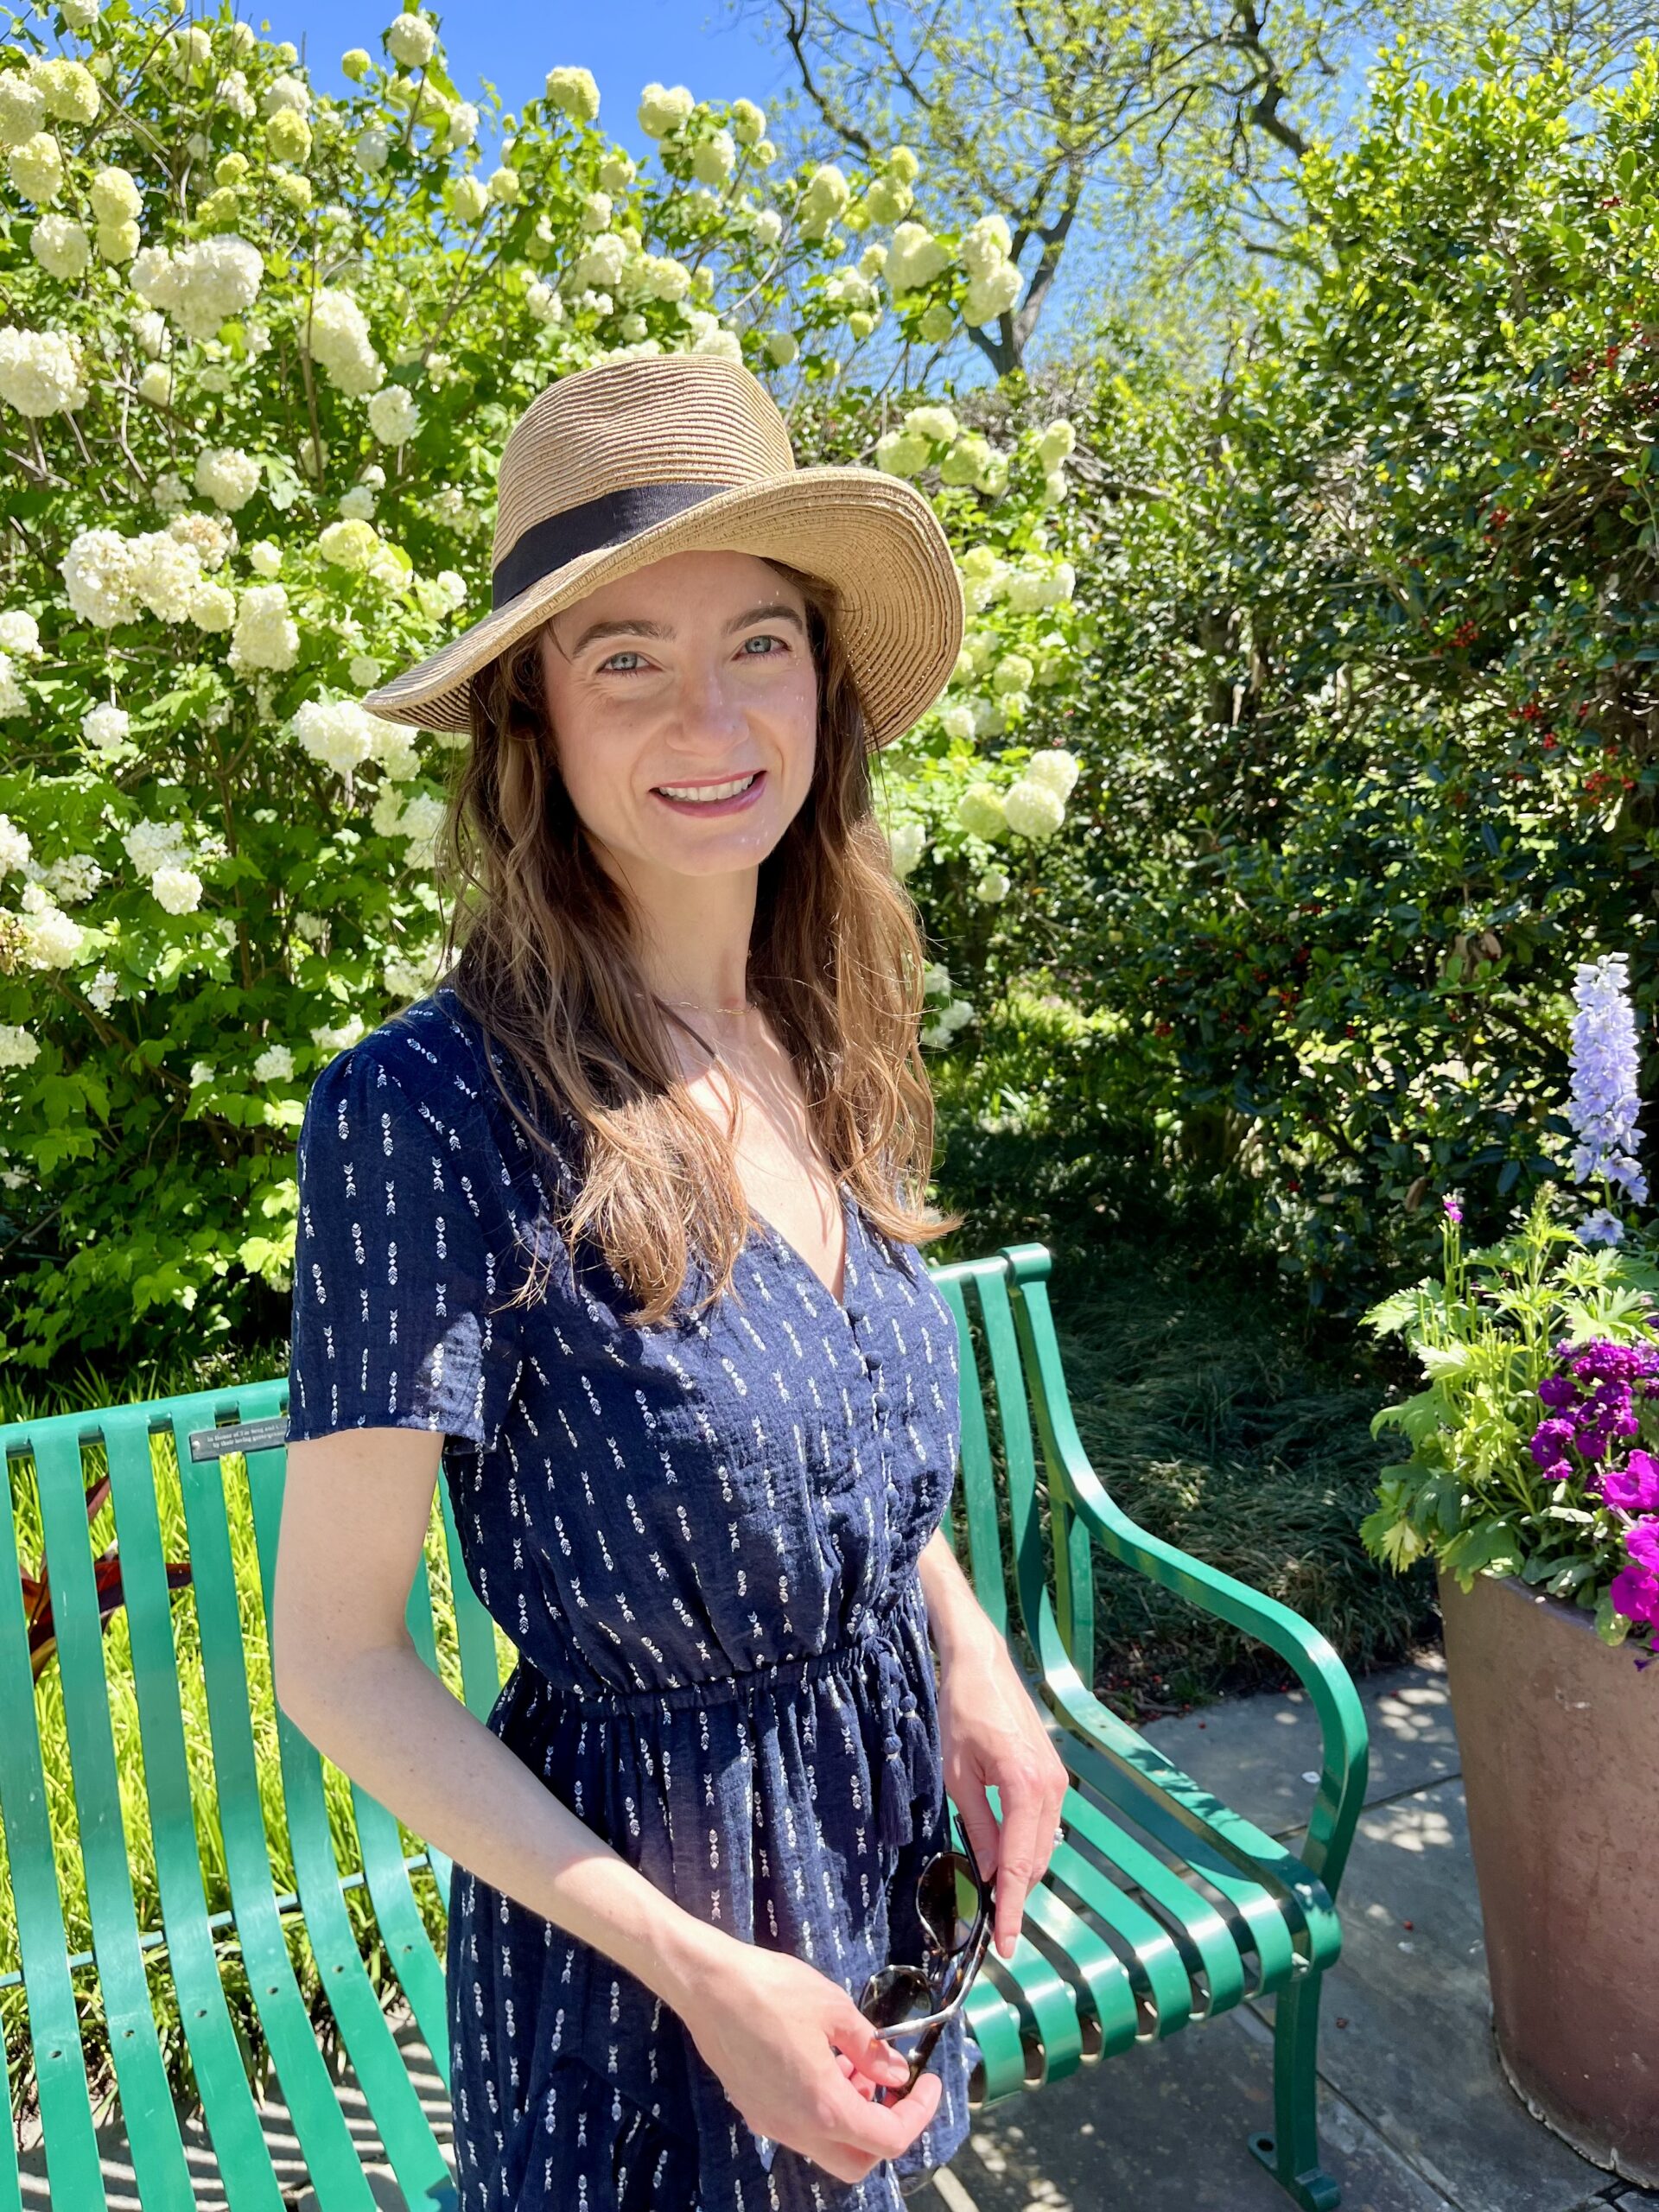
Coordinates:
[260,350]
[1533,1447]
[1524,1456]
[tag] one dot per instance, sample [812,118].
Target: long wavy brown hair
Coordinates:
[540,949]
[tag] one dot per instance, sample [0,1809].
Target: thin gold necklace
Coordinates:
[695,1005]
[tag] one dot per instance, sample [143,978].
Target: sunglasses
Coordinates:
[909,2000]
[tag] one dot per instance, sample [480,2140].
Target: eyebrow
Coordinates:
[777,612]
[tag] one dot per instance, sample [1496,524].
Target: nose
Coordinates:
[706,709]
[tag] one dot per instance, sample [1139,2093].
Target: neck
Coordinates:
[694,935]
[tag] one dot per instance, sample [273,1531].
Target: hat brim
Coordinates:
[873,537]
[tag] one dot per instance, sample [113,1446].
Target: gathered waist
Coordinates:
[907,1758]
[743,1682]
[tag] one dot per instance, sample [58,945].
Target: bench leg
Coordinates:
[1291,2154]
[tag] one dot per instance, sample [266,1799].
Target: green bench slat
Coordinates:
[326,2141]
[158,2151]
[382,2073]
[227,2100]
[73,2170]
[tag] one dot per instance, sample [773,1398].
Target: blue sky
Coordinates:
[625,43]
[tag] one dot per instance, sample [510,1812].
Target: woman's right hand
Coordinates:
[798,2060]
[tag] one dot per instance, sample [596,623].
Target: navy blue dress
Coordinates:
[701,1539]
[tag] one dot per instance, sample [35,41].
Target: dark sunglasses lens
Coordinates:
[895,1995]
[945,1907]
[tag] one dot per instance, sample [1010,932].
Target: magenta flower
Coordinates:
[1635,1592]
[1633,1488]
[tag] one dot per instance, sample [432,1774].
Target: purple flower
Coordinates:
[1558,1390]
[1600,1228]
[1453,1211]
[1642,1543]
[1550,1439]
[1633,1488]
[1604,1106]
[1635,1592]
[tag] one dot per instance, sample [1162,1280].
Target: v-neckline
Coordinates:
[849,1215]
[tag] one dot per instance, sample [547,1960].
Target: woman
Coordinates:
[620,1220]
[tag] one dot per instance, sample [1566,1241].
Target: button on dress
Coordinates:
[701,1538]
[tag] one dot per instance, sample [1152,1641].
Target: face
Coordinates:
[684,708]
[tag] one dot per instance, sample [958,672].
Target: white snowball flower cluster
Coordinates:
[286,92]
[714,159]
[61,246]
[35,168]
[72,879]
[103,988]
[949,1018]
[265,557]
[601,268]
[1032,584]
[116,205]
[12,698]
[407,978]
[265,635]
[51,937]
[372,147]
[411,40]
[177,889]
[227,476]
[664,108]
[994,280]
[850,288]
[342,735]
[151,845]
[984,576]
[337,1037]
[980,811]
[13,845]
[18,1046]
[338,341]
[993,887]
[105,726]
[823,201]
[574,93]
[958,722]
[915,258]
[202,285]
[232,92]
[40,370]
[274,1064]
[23,107]
[468,200]
[906,843]
[421,822]
[20,634]
[1035,803]
[109,578]
[659,277]
[544,305]
[1053,447]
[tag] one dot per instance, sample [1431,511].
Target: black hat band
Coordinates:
[611,519]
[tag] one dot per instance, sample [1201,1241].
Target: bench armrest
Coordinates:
[1314,1660]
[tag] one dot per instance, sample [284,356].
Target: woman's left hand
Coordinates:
[991,1732]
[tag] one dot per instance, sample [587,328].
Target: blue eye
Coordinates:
[628,652]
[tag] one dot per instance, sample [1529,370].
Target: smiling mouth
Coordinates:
[708,794]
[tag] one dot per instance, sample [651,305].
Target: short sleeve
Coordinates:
[400,1260]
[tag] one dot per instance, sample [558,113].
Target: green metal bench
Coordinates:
[1162,1906]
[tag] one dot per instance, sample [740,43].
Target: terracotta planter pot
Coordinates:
[1559,1735]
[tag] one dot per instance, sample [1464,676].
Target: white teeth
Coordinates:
[708,791]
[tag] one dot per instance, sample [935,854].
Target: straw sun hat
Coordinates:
[622,464]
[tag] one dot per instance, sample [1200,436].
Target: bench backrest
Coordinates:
[133,1602]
